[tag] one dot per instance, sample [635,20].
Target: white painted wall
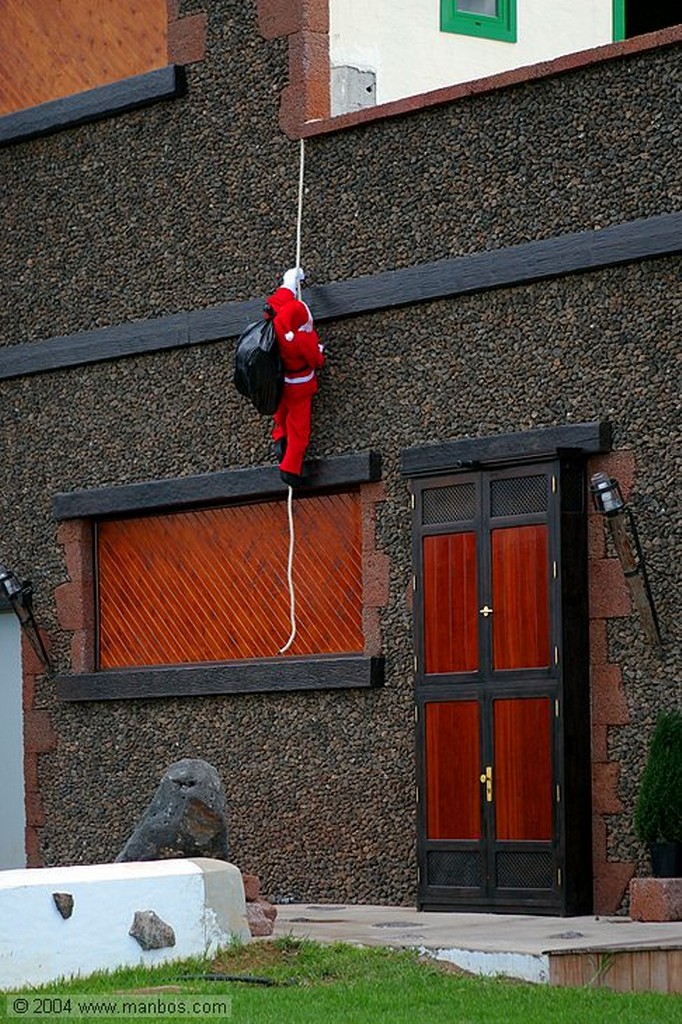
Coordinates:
[12,808]
[201,899]
[401,41]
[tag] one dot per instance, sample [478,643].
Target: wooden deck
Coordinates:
[654,968]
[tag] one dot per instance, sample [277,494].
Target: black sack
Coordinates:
[258,373]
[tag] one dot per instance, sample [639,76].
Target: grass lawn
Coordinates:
[291,981]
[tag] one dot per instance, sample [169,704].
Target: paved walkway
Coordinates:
[516,945]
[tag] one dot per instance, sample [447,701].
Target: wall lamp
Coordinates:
[609,500]
[20,597]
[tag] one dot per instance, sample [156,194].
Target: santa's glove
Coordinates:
[293,278]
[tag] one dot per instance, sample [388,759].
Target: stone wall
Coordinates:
[193,203]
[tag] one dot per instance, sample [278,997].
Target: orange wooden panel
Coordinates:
[453,789]
[522,768]
[54,48]
[520,596]
[450,603]
[212,585]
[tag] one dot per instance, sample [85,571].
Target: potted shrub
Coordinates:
[658,809]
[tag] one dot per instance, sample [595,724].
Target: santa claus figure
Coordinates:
[302,356]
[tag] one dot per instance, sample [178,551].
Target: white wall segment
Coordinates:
[201,899]
[401,41]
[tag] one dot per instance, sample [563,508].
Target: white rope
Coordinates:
[290,574]
[290,499]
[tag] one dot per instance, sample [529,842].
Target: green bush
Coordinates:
[658,810]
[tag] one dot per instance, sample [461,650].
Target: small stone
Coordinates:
[150,931]
[268,909]
[64,903]
[259,924]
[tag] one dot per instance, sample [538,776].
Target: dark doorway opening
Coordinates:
[649,16]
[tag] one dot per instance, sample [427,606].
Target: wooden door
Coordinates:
[488,688]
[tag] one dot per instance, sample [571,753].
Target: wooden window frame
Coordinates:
[501,28]
[79,511]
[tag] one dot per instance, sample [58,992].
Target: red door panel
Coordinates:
[523,768]
[520,597]
[450,603]
[453,800]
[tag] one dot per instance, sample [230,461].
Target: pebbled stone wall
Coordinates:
[193,203]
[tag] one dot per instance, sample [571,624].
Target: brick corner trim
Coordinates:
[186,35]
[305,24]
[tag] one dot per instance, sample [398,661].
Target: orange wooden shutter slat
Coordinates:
[211,585]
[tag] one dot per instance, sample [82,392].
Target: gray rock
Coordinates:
[187,817]
[150,931]
[64,903]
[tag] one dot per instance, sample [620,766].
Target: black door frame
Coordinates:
[568,447]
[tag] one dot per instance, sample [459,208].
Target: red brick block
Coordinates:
[35,813]
[598,839]
[31,780]
[286,17]
[599,646]
[31,663]
[187,39]
[75,536]
[605,799]
[611,880]
[609,706]
[596,536]
[656,899]
[251,887]
[82,651]
[34,856]
[70,606]
[609,597]
[371,631]
[39,734]
[600,750]
[375,582]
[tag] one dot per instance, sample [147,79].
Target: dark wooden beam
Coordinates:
[274,675]
[463,275]
[225,486]
[93,104]
[497,268]
[469,452]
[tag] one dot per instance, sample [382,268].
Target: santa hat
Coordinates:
[294,316]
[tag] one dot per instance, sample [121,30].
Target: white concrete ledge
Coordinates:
[201,899]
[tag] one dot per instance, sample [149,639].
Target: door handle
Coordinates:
[485,611]
[487,778]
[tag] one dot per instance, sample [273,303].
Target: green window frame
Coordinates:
[501,26]
[618,20]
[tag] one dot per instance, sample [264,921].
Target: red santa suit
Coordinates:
[302,355]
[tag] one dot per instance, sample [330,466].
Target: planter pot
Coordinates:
[666,859]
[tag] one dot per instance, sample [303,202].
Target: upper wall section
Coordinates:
[51,49]
[402,43]
[193,203]
[351,62]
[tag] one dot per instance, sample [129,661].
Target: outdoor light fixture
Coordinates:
[20,597]
[606,494]
[609,500]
